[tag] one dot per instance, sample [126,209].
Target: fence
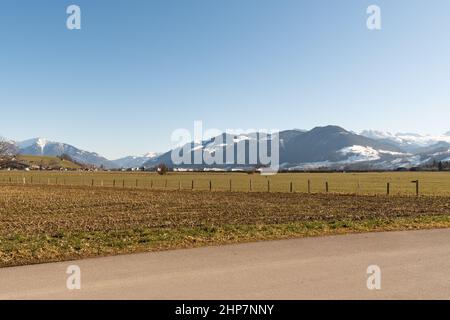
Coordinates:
[237,183]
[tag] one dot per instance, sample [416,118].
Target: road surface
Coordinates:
[414,265]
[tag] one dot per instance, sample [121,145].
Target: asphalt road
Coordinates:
[413,264]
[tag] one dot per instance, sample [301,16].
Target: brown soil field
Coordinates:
[53,223]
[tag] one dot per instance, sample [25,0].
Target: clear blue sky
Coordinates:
[138,70]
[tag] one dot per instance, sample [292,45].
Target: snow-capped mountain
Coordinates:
[329,147]
[44,147]
[407,141]
[134,161]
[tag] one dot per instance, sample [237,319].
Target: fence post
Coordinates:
[165,184]
[388,191]
[417,188]
[268,185]
[92,183]
[192,185]
[151,184]
[179,184]
[210,185]
[230,185]
[291,187]
[114,183]
[101,183]
[123,183]
[24,180]
[326,187]
[251,187]
[309,186]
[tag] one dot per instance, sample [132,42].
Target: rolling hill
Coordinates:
[48,162]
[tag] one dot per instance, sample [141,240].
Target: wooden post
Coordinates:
[210,185]
[268,185]
[417,186]
[92,183]
[179,184]
[24,180]
[388,190]
[101,183]
[165,184]
[192,185]
[251,187]
[123,183]
[291,187]
[151,184]
[309,186]
[230,185]
[114,183]
[326,187]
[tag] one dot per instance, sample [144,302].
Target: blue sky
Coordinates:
[138,70]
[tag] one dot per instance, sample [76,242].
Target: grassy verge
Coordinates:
[21,249]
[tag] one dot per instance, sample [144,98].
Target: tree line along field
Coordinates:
[430,183]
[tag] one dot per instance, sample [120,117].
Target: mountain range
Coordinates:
[328,147]
[44,147]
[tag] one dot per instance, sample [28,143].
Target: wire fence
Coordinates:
[286,183]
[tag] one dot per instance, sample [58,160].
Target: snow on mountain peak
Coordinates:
[422,140]
[375,134]
[360,153]
[151,155]
[40,142]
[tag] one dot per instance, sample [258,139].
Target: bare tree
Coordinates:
[7,150]
[162,169]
